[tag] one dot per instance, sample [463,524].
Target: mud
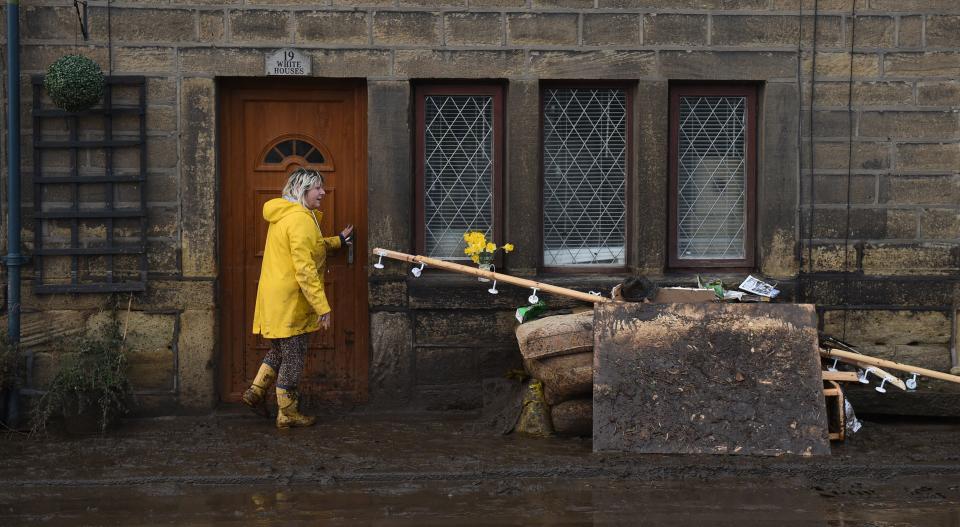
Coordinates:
[231,469]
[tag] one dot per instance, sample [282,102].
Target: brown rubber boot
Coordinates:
[254,395]
[289,413]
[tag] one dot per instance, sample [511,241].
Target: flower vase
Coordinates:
[485,266]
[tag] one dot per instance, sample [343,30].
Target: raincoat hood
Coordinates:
[278,208]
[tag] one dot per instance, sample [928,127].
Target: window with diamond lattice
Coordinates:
[712,155]
[458,167]
[584,176]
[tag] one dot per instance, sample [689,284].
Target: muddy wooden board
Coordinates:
[708,378]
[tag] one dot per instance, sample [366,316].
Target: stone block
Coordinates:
[446,328]
[498,3]
[943,31]
[36,59]
[193,295]
[910,259]
[941,224]
[606,64]
[161,258]
[152,25]
[389,149]
[150,60]
[879,329]
[682,4]
[886,290]
[671,29]
[737,65]
[226,62]
[54,22]
[497,362]
[458,64]
[910,33]
[212,26]
[837,65]
[807,5]
[363,3]
[443,365]
[332,27]
[836,155]
[387,294]
[828,124]
[909,125]
[161,90]
[611,29]
[651,123]
[259,26]
[473,29]
[773,30]
[930,64]
[406,28]
[827,257]
[865,94]
[391,361]
[902,224]
[832,189]
[939,157]
[872,32]
[916,6]
[863,223]
[920,190]
[938,93]
[432,3]
[542,29]
[350,62]
[444,290]
[161,118]
[198,177]
[196,362]
[151,370]
[523,177]
[562,4]
[685,378]
[447,398]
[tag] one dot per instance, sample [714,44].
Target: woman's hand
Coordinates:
[324,321]
[347,234]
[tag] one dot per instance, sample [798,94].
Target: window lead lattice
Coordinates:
[712,178]
[458,171]
[584,180]
[89,204]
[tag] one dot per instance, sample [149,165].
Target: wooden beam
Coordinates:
[862,359]
[841,376]
[500,277]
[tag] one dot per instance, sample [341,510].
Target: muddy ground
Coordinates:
[235,469]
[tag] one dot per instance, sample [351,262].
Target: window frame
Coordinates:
[751,147]
[421,92]
[628,88]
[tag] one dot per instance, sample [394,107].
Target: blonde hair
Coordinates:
[299,182]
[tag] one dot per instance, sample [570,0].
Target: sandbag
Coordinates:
[564,377]
[573,417]
[556,335]
[535,416]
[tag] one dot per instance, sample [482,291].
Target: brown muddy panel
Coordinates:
[708,378]
[573,417]
[563,377]
[556,335]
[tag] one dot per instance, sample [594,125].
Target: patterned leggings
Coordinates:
[286,357]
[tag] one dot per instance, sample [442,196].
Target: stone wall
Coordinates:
[428,351]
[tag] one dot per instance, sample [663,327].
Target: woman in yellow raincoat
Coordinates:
[291,302]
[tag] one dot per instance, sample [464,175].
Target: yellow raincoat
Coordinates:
[290,295]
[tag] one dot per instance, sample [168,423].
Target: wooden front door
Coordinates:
[268,128]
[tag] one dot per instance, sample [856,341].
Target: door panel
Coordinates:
[269,129]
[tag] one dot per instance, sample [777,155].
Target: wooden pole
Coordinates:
[865,359]
[450,266]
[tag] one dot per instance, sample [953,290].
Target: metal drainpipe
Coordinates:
[13,259]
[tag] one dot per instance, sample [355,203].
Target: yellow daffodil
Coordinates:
[508,247]
[490,247]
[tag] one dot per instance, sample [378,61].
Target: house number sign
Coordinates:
[287,62]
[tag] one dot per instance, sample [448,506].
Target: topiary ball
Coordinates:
[74,83]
